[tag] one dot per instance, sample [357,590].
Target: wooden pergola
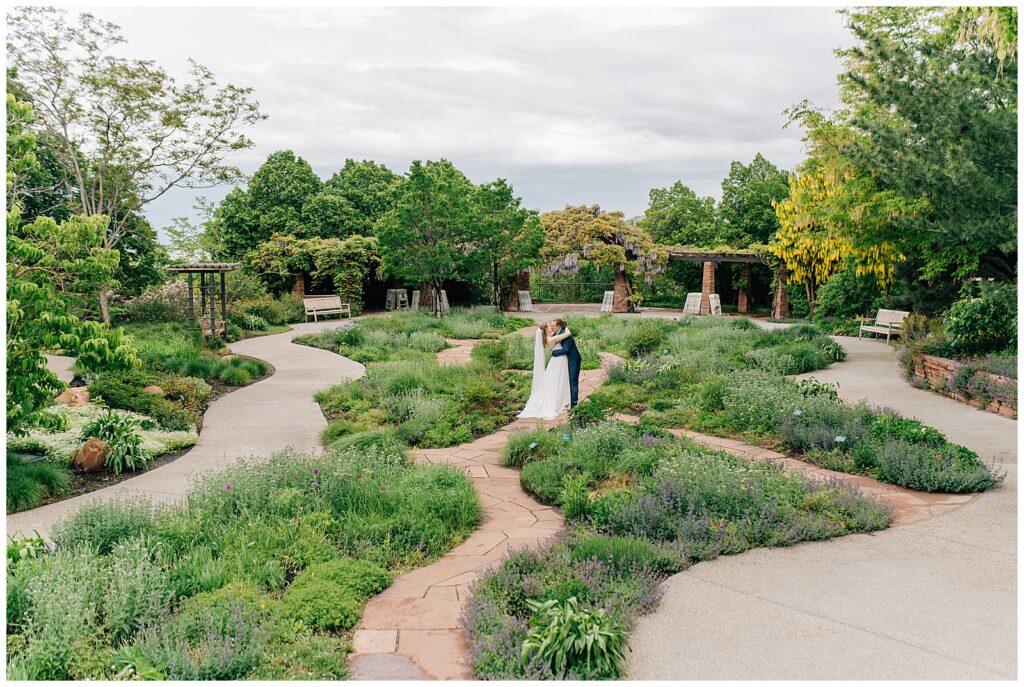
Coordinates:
[204,312]
[711,258]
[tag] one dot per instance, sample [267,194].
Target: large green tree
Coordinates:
[746,207]
[285,196]
[925,147]
[678,216]
[50,266]
[427,236]
[508,238]
[369,188]
[126,132]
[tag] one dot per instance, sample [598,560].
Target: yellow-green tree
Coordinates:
[814,239]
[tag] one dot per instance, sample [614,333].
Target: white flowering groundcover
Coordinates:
[61,446]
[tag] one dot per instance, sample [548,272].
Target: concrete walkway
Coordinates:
[268,416]
[411,630]
[61,366]
[936,599]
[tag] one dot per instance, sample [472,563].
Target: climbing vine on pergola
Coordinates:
[585,232]
[347,262]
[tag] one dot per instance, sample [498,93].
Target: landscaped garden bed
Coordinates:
[726,378]
[640,505]
[150,415]
[261,574]
[975,382]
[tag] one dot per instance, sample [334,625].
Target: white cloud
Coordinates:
[570,104]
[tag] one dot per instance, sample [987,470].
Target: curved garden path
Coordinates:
[276,413]
[934,599]
[411,630]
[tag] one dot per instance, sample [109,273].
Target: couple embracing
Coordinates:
[557,386]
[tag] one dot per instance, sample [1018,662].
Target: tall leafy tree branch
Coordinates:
[126,131]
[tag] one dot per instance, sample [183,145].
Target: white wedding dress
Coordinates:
[549,393]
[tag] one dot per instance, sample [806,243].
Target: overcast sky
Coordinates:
[574,105]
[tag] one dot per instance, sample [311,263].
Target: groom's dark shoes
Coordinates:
[569,350]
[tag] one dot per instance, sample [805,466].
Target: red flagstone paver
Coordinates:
[423,607]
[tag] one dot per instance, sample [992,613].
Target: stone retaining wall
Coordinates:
[939,373]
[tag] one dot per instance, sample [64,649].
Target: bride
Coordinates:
[549,393]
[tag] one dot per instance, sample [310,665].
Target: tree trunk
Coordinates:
[104,308]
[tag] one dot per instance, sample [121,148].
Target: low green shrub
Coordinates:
[949,468]
[138,593]
[101,526]
[544,478]
[984,320]
[253,323]
[534,444]
[323,605]
[618,552]
[648,337]
[362,579]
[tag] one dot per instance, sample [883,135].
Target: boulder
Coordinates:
[153,389]
[74,396]
[92,456]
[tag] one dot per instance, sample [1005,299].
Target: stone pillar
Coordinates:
[299,287]
[620,301]
[707,288]
[780,306]
[744,301]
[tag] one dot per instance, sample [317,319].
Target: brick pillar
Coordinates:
[780,306]
[620,302]
[744,302]
[522,284]
[299,287]
[707,288]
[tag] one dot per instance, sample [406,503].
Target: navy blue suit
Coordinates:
[569,350]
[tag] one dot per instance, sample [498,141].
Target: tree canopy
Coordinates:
[924,149]
[748,195]
[427,236]
[678,216]
[585,232]
[124,130]
[508,238]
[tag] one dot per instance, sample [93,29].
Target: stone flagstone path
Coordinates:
[411,630]
[256,420]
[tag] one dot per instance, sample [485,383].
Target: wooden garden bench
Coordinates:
[325,305]
[886,322]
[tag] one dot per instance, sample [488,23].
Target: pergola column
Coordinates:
[620,301]
[744,300]
[522,284]
[707,288]
[780,306]
[299,286]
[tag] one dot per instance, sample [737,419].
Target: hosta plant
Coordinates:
[573,640]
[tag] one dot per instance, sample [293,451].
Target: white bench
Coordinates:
[325,305]
[886,322]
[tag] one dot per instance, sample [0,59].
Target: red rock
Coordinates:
[153,389]
[74,396]
[92,456]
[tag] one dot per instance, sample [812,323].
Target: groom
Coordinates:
[568,349]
